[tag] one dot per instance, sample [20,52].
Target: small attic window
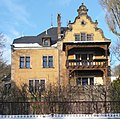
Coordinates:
[83,22]
[46,42]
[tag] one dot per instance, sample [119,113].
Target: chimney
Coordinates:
[59,26]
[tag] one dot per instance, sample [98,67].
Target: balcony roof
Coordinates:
[84,43]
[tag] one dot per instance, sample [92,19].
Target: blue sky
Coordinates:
[31,17]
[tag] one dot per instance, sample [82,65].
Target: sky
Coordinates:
[31,17]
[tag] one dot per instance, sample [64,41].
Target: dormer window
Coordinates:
[46,42]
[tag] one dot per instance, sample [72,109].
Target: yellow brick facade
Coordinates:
[89,28]
[59,74]
[36,71]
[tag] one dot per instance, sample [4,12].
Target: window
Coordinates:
[84,59]
[77,56]
[44,61]
[42,85]
[83,37]
[85,81]
[31,86]
[77,37]
[25,62]
[83,22]
[22,62]
[83,56]
[36,86]
[90,56]
[47,61]
[90,59]
[46,42]
[78,81]
[91,81]
[89,37]
[50,61]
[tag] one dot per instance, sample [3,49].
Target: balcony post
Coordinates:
[67,65]
[106,54]
[66,52]
[106,69]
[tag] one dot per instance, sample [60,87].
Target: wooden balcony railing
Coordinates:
[96,63]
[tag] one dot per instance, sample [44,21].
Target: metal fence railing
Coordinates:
[65,107]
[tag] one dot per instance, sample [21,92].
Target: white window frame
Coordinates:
[88,78]
[24,62]
[48,61]
[84,36]
[38,84]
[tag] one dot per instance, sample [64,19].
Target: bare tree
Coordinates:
[112,9]
[4,67]
[11,98]
[116,70]
[2,41]
[116,49]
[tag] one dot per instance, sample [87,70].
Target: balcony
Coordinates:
[96,63]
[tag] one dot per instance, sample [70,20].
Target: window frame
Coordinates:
[31,89]
[36,85]
[85,81]
[77,37]
[25,63]
[90,81]
[89,37]
[42,85]
[44,62]
[44,43]
[21,62]
[49,63]
[83,36]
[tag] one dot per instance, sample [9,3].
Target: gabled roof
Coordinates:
[51,32]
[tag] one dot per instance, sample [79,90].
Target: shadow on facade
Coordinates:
[93,100]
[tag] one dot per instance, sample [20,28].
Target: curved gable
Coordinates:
[84,24]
